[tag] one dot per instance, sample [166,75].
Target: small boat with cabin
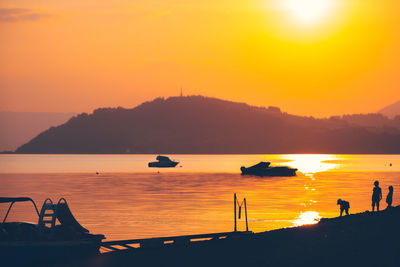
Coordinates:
[56,237]
[163,162]
[264,169]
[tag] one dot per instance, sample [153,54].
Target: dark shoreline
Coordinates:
[363,239]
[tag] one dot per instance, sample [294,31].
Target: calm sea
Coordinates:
[129,200]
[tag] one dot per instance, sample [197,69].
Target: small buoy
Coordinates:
[97,173]
[390,164]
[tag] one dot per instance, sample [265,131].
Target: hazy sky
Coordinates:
[74,56]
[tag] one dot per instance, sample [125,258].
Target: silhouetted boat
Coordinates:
[263,169]
[163,162]
[45,242]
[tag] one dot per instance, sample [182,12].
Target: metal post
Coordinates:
[234,207]
[245,211]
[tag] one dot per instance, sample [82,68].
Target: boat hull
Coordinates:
[162,164]
[22,252]
[270,172]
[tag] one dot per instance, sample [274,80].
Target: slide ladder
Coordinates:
[51,212]
[47,216]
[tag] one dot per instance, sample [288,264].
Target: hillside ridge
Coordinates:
[203,125]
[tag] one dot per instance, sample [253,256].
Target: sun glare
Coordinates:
[308,217]
[312,163]
[307,11]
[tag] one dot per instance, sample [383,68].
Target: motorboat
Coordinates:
[57,237]
[163,162]
[264,169]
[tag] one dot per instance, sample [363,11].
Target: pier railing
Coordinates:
[159,242]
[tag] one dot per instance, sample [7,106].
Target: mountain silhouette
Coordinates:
[392,110]
[201,125]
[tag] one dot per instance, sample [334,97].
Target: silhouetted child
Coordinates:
[344,206]
[376,196]
[389,198]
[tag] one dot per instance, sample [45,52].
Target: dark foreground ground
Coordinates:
[364,239]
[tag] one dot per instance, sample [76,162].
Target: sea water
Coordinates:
[120,197]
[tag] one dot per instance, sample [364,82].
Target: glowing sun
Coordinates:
[307,11]
[308,217]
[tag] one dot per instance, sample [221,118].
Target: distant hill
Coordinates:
[199,124]
[392,110]
[17,128]
[374,122]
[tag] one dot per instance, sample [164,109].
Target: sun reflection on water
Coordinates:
[308,217]
[312,163]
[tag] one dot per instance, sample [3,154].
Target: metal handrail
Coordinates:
[34,204]
[51,202]
[12,203]
[62,199]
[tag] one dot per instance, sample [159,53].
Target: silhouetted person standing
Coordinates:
[376,196]
[389,197]
[344,206]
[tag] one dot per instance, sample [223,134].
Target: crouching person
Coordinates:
[344,206]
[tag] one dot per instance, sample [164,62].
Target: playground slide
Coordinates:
[65,217]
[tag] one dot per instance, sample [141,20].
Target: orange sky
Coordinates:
[67,55]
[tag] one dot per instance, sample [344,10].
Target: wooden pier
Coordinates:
[183,240]
[159,242]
